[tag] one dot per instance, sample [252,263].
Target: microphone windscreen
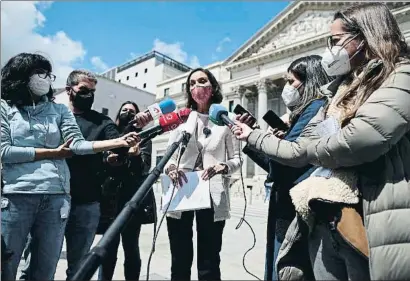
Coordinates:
[184,114]
[215,113]
[169,121]
[167,106]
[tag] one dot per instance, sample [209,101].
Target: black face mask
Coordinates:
[126,117]
[83,102]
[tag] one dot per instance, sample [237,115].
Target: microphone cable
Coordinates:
[243,219]
[154,240]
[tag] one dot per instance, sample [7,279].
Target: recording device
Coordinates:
[240,110]
[155,110]
[219,115]
[274,121]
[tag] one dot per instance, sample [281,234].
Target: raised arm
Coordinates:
[290,153]
[381,122]
[70,130]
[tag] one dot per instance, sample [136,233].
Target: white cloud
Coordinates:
[221,44]
[175,51]
[20,22]
[98,64]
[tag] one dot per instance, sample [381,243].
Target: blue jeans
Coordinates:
[43,216]
[80,232]
[333,259]
[25,271]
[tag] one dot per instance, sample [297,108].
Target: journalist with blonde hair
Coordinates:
[362,149]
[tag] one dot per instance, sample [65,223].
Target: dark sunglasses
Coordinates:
[84,91]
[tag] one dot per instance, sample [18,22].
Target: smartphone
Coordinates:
[274,121]
[240,110]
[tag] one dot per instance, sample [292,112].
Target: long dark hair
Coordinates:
[15,76]
[373,23]
[117,118]
[311,73]
[216,89]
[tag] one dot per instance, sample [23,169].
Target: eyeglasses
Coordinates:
[46,74]
[331,42]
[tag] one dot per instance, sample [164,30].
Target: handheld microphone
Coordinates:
[167,122]
[219,115]
[155,110]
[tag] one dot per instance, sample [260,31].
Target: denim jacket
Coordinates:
[23,129]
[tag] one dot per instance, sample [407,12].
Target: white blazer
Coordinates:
[219,147]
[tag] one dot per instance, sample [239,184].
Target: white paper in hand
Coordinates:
[193,195]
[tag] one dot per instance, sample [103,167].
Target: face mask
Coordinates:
[202,94]
[336,62]
[126,117]
[82,102]
[39,86]
[290,95]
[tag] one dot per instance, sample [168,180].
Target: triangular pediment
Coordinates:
[300,21]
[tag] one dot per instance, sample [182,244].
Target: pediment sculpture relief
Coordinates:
[307,25]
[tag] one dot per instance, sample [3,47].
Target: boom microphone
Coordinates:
[155,110]
[219,115]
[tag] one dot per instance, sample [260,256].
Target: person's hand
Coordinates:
[141,119]
[113,160]
[245,118]
[177,177]
[214,170]
[64,151]
[134,151]
[241,131]
[129,140]
[277,133]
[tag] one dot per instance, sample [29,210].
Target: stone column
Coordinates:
[242,100]
[262,109]
[262,102]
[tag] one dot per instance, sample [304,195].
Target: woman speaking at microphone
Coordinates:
[126,175]
[213,150]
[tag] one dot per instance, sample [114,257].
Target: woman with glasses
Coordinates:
[36,137]
[353,211]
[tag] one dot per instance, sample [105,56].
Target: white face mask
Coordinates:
[290,95]
[39,86]
[336,62]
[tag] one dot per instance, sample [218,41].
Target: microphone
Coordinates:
[184,114]
[155,110]
[167,122]
[219,115]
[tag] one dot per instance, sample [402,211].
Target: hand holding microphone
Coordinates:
[154,111]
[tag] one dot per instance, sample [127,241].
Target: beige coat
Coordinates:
[376,143]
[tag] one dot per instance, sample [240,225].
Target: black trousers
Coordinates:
[209,240]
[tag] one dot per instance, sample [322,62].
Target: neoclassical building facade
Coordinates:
[253,75]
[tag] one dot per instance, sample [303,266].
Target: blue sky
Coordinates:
[96,35]
[115,31]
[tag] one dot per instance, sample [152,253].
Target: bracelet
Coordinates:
[225,170]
